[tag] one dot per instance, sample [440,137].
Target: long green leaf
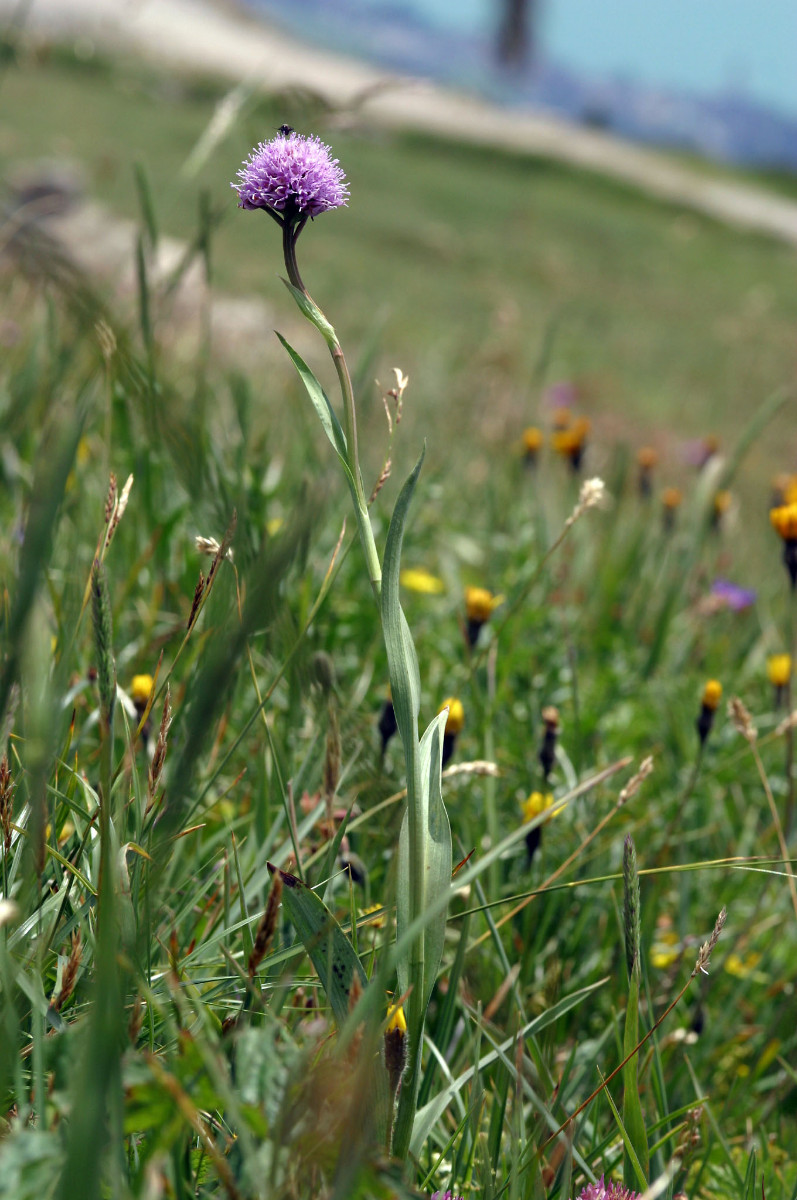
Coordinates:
[414,858]
[438,859]
[313,313]
[330,951]
[639,1176]
[405,679]
[320,400]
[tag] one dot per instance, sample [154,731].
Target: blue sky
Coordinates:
[701,46]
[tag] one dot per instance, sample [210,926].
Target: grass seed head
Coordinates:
[632,918]
[707,949]
[742,720]
[103,641]
[7,786]
[268,925]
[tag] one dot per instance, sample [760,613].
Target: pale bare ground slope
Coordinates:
[220,38]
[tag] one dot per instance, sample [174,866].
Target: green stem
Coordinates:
[789,813]
[290,234]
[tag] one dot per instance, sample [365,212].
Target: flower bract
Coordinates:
[294,176]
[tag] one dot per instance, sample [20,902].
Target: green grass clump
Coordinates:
[193,669]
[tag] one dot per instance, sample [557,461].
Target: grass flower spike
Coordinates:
[292,177]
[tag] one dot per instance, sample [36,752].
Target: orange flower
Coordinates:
[784,520]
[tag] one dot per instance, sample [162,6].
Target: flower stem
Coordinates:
[792,643]
[290,234]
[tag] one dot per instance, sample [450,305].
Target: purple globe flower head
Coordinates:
[606,1191]
[292,177]
[731,595]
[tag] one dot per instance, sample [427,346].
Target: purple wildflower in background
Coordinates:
[732,596]
[449,1195]
[561,394]
[606,1191]
[292,177]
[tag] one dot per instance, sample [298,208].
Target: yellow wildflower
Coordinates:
[535,804]
[377,920]
[418,579]
[140,690]
[779,669]
[784,520]
[456,716]
[480,603]
[396,1021]
[666,949]
[712,694]
[532,441]
[740,967]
